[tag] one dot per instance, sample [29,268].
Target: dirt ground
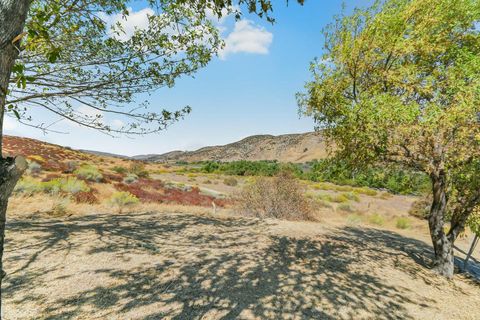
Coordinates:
[184,266]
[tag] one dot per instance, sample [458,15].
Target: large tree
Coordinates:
[400,82]
[64,57]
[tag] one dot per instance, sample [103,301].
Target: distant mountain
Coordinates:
[104,154]
[284,148]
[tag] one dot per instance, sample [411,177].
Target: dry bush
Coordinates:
[280,197]
[421,207]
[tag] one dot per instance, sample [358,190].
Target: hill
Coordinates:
[284,148]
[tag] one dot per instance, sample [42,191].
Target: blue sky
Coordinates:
[249,90]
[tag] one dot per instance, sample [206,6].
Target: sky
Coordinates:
[248,89]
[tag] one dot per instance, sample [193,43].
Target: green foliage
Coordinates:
[403,223]
[119,169]
[398,83]
[393,178]
[244,168]
[29,186]
[130,178]
[123,199]
[138,169]
[89,172]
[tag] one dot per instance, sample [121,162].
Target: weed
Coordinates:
[376,219]
[403,223]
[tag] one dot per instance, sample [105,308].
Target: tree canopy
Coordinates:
[399,82]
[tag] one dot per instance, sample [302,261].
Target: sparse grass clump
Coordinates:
[376,219]
[403,223]
[89,172]
[352,196]
[366,191]
[29,186]
[230,181]
[280,197]
[354,219]
[122,199]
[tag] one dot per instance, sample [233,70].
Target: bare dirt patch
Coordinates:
[182,266]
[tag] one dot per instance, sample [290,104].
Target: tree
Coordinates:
[399,82]
[61,54]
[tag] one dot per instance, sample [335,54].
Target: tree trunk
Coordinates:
[13,14]
[443,262]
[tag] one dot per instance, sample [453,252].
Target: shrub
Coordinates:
[279,197]
[123,199]
[232,182]
[119,169]
[352,196]
[340,198]
[89,172]
[345,207]
[138,169]
[207,182]
[376,219]
[34,168]
[130,178]
[28,186]
[70,167]
[73,185]
[366,191]
[60,207]
[85,197]
[403,223]
[421,207]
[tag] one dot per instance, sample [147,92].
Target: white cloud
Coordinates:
[9,123]
[248,38]
[134,20]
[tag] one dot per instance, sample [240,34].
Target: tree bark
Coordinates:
[13,14]
[443,262]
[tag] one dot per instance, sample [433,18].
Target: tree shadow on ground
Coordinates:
[206,268]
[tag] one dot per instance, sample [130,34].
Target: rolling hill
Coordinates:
[284,148]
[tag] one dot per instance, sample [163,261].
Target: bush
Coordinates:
[73,185]
[34,168]
[345,207]
[70,167]
[232,182]
[376,219]
[352,196]
[89,172]
[131,178]
[85,197]
[123,199]
[403,223]
[29,186]
[421,207]
[340,198]
[354,219]
[279,197]
[138,169]
[119,169]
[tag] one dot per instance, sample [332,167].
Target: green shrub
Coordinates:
[403,223]
[376,219]
[119,169]
[130,178]
[89,172]
[122,199]
[138,169]
[340,198]
[325,197]
[72,185]
[232,182]
[366,191]
[28,186]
